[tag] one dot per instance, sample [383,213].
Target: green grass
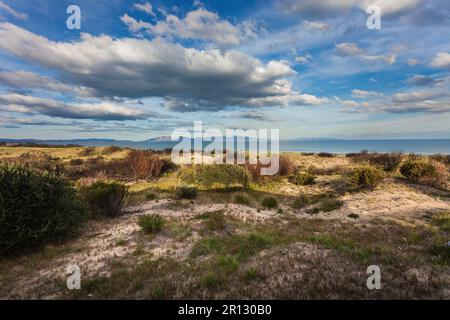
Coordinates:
[151,224]
[442,221]
[348,247]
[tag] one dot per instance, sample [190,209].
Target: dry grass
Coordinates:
[225,245]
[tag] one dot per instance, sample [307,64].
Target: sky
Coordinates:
[141,69]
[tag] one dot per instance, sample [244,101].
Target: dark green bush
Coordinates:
[425,171]
[105,199]
[186,192]
[208,175]
[301,179]
[325,155]
[301,202]
[241,199]
[366,175]
[151,224]
[269,202]
[36,209]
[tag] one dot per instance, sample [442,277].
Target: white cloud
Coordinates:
[198,24]
[301,60]
[12,12]
[413,62]
[349,49]
[316,25]
[329,7]
[145,7]
[53,108]
[134,25]
[136,68]
[442,60]
[25,79]
[362,94]
[417,96]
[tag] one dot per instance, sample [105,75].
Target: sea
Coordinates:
[425,147]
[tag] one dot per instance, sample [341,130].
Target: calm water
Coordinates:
[332,146]
[346,146]
[339,146]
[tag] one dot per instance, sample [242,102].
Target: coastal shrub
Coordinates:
[208,175]
[35,161]
[111,149]
[286,166]
[105,199]
[87,152]
[151,224]
[385,161]
[444,158]
[327,171]
[366,175]
[301,179]
[269,202]
[76,162]
[325,155]
[301,202]
[425,171]
[328,205]
[145,164]
[185,192]
[241,199]
[35,209]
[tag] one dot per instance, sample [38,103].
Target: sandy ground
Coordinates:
[103,241]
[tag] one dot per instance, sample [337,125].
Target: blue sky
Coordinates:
[140,69]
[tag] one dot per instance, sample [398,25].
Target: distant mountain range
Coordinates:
[166,140]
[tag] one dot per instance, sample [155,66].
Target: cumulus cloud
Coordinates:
[362,94]
[53,108]
[24,79]
[442,60]
[413,62]
[321,8]
[199,24]
[349,49]
[421,80]
[316,25]
[417,96]
[145,7]
[136,68]
[18,15]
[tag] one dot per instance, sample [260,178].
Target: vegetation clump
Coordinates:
[269,202]
[301,179]
[105,199]
[151,224]
[186,192]
[425,171]
[209,175]
[366,176]
[35,209]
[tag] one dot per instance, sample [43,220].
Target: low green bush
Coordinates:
[208,175]
[36,209]
[269,202]
[186,192]
[301,179]
[425,171]
[151,224]
[241,199]
[105,199]
[366,175]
